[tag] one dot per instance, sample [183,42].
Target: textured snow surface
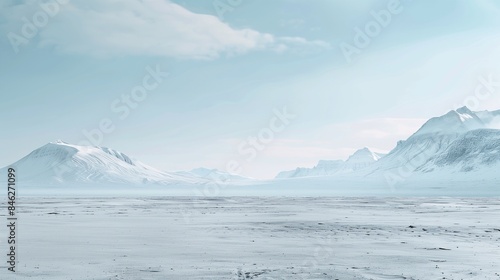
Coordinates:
[474,150]
[256,238]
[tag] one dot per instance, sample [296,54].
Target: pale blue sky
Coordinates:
[227,76]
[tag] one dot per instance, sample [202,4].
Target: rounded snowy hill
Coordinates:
[59,162]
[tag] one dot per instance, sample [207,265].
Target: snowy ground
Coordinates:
[257,238]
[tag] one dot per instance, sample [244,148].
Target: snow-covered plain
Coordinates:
[256,238]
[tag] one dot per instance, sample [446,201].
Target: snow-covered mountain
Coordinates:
[472,151]
[460,143]
[59,162]
[360,159]
[454,122]
[431,148]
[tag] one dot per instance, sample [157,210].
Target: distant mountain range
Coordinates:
[460,144]
[359,160]
[213,174]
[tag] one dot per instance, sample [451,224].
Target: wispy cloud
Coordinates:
[151,27]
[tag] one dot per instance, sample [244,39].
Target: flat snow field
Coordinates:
[256,238]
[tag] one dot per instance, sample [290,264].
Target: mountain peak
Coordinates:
[464,110]
[455,121]
[364,155]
